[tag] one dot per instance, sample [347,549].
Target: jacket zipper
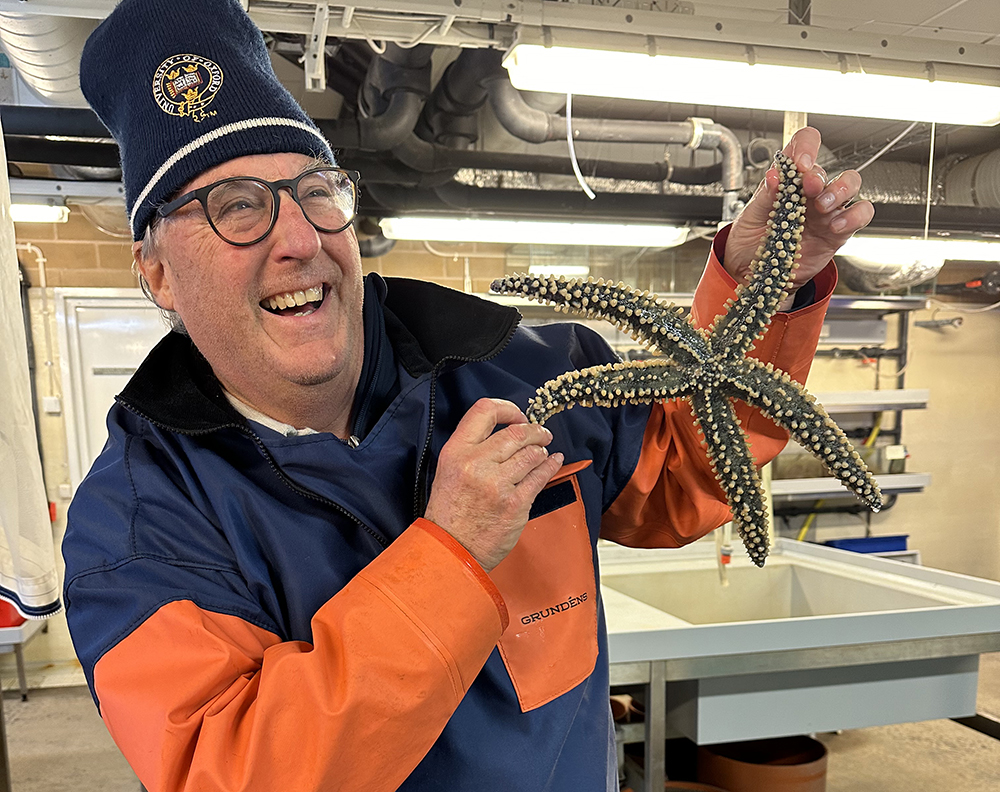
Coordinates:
[420,488]
[282,476]
[362,417]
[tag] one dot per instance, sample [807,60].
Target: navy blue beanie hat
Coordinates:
[184,86]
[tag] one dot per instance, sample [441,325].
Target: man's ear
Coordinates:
[152,267]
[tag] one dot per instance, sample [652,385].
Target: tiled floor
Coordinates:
[58,743]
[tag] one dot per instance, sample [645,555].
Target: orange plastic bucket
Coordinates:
[785,764]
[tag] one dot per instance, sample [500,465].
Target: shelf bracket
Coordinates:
[315,56]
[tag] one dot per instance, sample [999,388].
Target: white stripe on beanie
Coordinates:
[204,140]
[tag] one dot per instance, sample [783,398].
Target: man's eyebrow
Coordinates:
[316,163]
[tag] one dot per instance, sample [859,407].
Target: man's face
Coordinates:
[224,293]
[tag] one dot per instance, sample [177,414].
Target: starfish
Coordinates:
[709,368]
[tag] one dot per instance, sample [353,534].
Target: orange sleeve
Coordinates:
[672,497]
[198,700]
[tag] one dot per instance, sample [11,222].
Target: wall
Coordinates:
[955,523]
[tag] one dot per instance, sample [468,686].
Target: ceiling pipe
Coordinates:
[380,200]
[46,52]
[419,163]
[375,246]
[449,117]
[54,121]
[537,126]
[974,181]
[454,198]
[390,100]
[448,128]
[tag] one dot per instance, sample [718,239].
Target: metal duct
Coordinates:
[447,198]
[540,179]
[895,182]
[46,52]
[874,277]
[974,182]
[961,181]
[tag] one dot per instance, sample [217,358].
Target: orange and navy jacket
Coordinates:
[257,612]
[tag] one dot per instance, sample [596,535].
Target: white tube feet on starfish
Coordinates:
[708,368]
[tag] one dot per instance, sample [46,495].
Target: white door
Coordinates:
[104,335]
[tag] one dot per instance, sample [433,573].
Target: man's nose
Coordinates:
[294,236]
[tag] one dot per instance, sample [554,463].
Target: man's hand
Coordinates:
[831,218]
[486,481]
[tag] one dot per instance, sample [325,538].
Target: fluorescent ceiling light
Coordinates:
[38,213]
[736,83]
[464,229]
[901,250]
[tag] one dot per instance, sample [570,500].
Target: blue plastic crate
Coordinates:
[871,544]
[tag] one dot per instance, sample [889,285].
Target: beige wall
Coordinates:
[955,523]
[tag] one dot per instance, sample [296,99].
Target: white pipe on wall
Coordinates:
[40,261]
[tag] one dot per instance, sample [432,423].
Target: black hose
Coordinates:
[390,100]
[375,246]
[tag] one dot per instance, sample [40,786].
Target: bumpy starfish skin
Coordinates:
[709,368]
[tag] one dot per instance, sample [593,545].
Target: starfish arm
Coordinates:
[610,385]
[729,453]
[655,324]
[796,410]
[748,316]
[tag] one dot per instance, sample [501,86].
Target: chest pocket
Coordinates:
[548,584]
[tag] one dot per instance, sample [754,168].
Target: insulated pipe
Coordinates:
[542,203]
[46,52]
[53,121]
[427,158]
[974,182]
[389,103]
[375,246]
[449,117]
[537,126]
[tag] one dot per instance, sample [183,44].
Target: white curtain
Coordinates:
[28,575]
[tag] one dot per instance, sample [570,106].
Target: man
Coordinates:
[315,550]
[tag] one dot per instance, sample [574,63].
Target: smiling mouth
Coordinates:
[295,303]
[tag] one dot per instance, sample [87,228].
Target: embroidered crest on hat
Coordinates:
[209,123]
[184,85]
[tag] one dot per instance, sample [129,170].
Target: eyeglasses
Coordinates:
[242,210]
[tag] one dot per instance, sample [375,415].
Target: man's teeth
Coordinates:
[291,299]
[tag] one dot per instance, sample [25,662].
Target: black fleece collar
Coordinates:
[426,324]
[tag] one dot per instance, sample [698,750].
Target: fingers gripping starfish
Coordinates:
[709,368]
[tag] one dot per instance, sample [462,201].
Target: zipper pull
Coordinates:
[353,441]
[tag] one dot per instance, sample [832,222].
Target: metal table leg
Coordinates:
[656,728]
[5,784]
[21,678]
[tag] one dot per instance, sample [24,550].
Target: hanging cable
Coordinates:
[949,307]
[930,182]
[572,148]
[886,147]
[419,39]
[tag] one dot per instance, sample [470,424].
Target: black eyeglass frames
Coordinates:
[242,210]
